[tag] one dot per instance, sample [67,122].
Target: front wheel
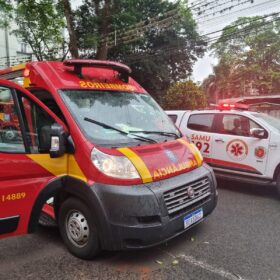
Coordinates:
[78,229]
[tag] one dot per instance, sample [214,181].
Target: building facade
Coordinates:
[13,51]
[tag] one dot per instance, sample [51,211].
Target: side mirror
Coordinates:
[258,133]
[58,141]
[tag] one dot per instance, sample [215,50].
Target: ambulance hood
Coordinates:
[164,160]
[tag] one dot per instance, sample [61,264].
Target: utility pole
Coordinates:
[7,44]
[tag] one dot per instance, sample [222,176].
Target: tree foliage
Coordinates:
[184,96]
[6,9]
[40,24]
[159,54]
[249,55]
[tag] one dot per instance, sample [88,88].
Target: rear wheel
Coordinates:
[78,229]
[278,183]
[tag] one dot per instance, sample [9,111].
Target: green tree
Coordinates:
[40,24]
[157,39]
[6,9]
[249,55]
[184,96]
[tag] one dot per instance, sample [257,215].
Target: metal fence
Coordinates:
[14,60]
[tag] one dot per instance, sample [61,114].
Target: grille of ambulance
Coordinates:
[187,196]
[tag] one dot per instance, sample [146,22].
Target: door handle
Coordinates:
[273,145]
[219,140]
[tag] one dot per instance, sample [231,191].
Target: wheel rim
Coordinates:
[10,134]
[77,228]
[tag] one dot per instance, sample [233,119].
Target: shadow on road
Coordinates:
[139,261]
[147,260]
[250,189]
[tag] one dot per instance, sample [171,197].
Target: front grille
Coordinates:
[178,199]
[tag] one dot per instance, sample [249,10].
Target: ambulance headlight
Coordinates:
[114,166]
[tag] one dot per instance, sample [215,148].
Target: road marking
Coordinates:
[219,271]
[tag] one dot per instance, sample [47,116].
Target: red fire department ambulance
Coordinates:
[120,174]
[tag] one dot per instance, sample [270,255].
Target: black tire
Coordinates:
[78,229]
[278,183]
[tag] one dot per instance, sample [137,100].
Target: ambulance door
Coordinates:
[25,167]
[199,130]
[235,148]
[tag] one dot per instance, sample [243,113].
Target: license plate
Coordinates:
[193,217]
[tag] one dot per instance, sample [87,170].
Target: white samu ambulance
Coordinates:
[239,144]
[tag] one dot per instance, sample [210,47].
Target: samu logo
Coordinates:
[170,155]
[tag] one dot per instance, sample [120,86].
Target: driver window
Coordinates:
[37,123]
[237,125]
[11,140]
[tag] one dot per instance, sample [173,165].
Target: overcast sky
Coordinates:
[203,67]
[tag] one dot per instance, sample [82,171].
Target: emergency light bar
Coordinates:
[79,64]
[231,106]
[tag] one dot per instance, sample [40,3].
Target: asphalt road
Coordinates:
[240,240]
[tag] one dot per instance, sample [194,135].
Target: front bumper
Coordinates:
[138,216]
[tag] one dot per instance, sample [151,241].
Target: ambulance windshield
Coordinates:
[133,113]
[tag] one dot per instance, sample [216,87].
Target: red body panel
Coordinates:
[21,181]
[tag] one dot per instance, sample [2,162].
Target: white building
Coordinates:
[12,50]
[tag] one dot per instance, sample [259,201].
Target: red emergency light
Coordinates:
[232,106]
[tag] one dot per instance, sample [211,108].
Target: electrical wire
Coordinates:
[240,10]
[124,36]
[170,15]
[127,40]
[236,25]
[174,50]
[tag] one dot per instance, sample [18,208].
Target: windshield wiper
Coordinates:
[142,138]
[164,133]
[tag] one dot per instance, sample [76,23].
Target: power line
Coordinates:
[174,50]
[236,25]
[167,19]
[222,4]
[225,9]
[240,32]
[240,10]
[131,39]
[135,32]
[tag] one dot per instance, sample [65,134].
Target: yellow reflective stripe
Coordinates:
[64,165]
[56,166]
[138,163]
[18,67]
[74,169]
[26,82]
[194,151]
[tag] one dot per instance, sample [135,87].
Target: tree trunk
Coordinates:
[73,45]
[104,14]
